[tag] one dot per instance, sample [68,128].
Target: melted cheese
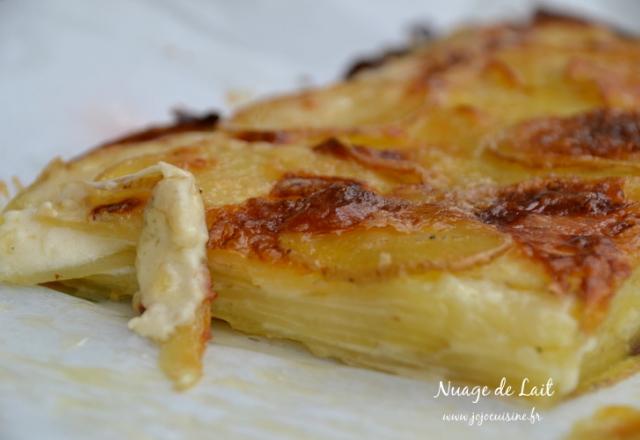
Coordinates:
[171,266]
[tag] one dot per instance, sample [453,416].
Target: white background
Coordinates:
[74,73]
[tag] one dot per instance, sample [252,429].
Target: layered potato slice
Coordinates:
[466,208]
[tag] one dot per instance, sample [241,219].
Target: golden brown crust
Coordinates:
[542,16]
[605,133]
[184,122]
[268,136]
[574,227]
[419,35]
[309,204]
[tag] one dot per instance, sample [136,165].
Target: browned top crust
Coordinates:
[419,34]
[269,136]
[422,35]
[605,133]
[572,197]
[183,122]
[309,204]
[574,227]
[543,16]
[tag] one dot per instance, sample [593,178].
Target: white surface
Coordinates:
[71,369]
[73,73]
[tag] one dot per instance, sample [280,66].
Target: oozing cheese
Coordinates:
[171,266]
[171,269]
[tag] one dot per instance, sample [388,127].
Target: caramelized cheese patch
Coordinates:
[574,228]
[269,136]
[603,133]
[344,230]
[298,204]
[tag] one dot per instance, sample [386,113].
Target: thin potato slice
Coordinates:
[181,354]
[382,252]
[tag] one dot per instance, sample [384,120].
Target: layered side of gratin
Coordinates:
[468,208]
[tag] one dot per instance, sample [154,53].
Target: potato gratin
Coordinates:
[467,208]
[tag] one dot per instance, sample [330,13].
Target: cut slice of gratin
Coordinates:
[468,209]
